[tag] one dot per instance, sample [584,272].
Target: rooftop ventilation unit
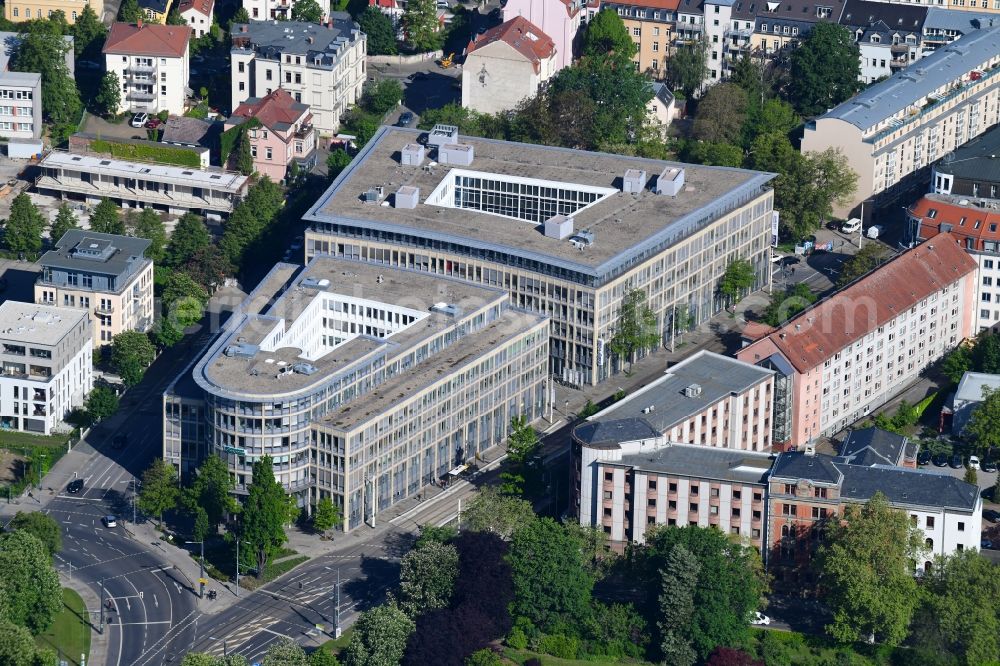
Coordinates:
[559,226]
[457,154]
[649,410]
[692,391]
[304,368]
[315,283]
[241,350]
[445,309]
[441,135]
[412,154]
[374,194]
[670,181]
[582,239]
[634,180]
[407,196]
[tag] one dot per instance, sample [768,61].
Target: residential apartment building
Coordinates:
[47,365]
[285,134]
[975,226]
[506,65]
[889,36]
[806,490]
[706,399]
[894,130]
[198,14]
[559,19]
[17,11]
[874,446]
[567,232]
[21,92]
[970,171]
[155,11]
[151,62]
[363,383]
[171,189]
[109,276]
[280,10]
[781,24]
[943,26]
[853,351]
[320,65]
[651,24]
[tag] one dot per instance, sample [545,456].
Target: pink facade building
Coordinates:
[852,352]
[558,19]
[285,133]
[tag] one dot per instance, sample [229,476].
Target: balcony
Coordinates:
[104,308]
[901,47]
[141,96]
[136,69]
[304,132]
[738,34]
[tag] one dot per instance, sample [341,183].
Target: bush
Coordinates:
[143,153]
[517,639]
[559,645]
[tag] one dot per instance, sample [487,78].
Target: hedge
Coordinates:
[144,153]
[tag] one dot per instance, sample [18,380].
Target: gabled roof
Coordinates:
[862,13]
[821,331]
[203,7]
[795,465]
[907,487]
[277,111]
[873,446]
[520,34]
[662,92]
[149,39]
[938,213]
[800,11]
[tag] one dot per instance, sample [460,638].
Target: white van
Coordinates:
[851,226]
[874,231]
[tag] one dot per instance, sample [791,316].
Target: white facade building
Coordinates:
[320,65]
[281,10]
[151,63]
[47,365]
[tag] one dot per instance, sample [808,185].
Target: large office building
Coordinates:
[321,65]
[47,365]
[363,383]
[568,233]
[894,130]
[853,351]
[106,275]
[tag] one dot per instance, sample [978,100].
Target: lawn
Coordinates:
[20,452]
[338,645]
[69,635]
[15,440]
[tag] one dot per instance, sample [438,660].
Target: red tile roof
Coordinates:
[203,7]
[848,315]
[522,35]
[968,223]
[274,110]
[649,4]
[148,39]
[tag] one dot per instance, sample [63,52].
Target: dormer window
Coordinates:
[824,12]
[876,39]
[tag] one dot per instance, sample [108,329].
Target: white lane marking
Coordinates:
[145,623]
[178,586]
[156,604]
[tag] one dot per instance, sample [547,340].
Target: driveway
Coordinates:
[100,127]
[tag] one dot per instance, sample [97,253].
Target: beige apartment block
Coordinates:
[651,25]
[104,274]
[17,11]
[894,130]
[568,233]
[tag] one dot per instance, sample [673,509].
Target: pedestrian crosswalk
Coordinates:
[234,640]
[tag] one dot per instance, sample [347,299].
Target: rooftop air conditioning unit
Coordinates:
[692,391]
[634,180]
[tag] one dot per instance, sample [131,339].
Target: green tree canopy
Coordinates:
[190,235]
[712,154]
[687,68]
[427,577]
[23,231]
[109,95]
[30,594]
[984,423]
[326,515]
[957,363]
[244,154]
[785,305]
[129,11]
[183,298]
[102,403]
[493,512]
[106,218]
[18,648]
[678,581]
[635,328]
[825,69]
[382,96]
[285,652]
[307,10]
[866,567]
[986,353]
[65,220]
[42,526]
[864,261]
[159,492]
[606,34]
[211,492]
[738,278]
[379,30]
[241,229]
[242,16]
[131,354]
[265,512]
[808,185]
[721,114]
[420,25]
[336,162]
[149,225]
[44,52]
[379,638]
[88,33]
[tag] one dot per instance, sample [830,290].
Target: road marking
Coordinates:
[178,586]
[145,623]
[156,604]
[78,499]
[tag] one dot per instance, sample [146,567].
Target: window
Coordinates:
[819,492]
[253,151]
[637,32]
[607,494]
[930,522]
[961,527]
[651,503]
[656,47]
[242,67]
[672,487]
[652,484]
[267,74]
[609,476]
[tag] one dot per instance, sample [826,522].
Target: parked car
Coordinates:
[759,619]
[851,226]
[924,457]
[989,465]
[405,118]
[139,120]
[153,123]
[955,462]
[75,486]
[986,544]
[973,462]
[940,460]
[110,521]
[991,516]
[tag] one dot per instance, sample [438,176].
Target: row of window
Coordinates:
[38,13]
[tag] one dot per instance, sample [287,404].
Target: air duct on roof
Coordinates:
[692,391]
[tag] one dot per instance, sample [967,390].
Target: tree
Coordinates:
[184,298]
[678,580]
[189,236]
[129,11]
[244,156]
[23,231]
[986,353]
[730,584]
[551,586]
[174,17]
[808,187]
[285,652]
[523,441]
[687,68]
[635,329]
[380,31]
[307,10]
[824,69]
[211,493]
[606,34]
[106,218]
[772,116]
[971,476]
[442,534]
[102,403]
[739,277]
[322,657]
[381,97]
[159,492]
[427,577]
[866,567]
[326,516]
[109,95]
[131,354]
[787,304]
[44,52]
[721,114]
[30,595]
[149,225]
[711,154]
[337,160]
[726,656]
[88,33]
[241,229]
[984,423]
[957,363]
[264,515]
[208,267]
[242,16]
[863,262]
[380,636]
[65,220]
[420,25]
[484,657]
[18,648]
[495,513]
[42,526]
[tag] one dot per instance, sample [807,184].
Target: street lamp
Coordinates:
[201,578]
[238,566]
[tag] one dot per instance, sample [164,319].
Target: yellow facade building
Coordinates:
[29,10]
